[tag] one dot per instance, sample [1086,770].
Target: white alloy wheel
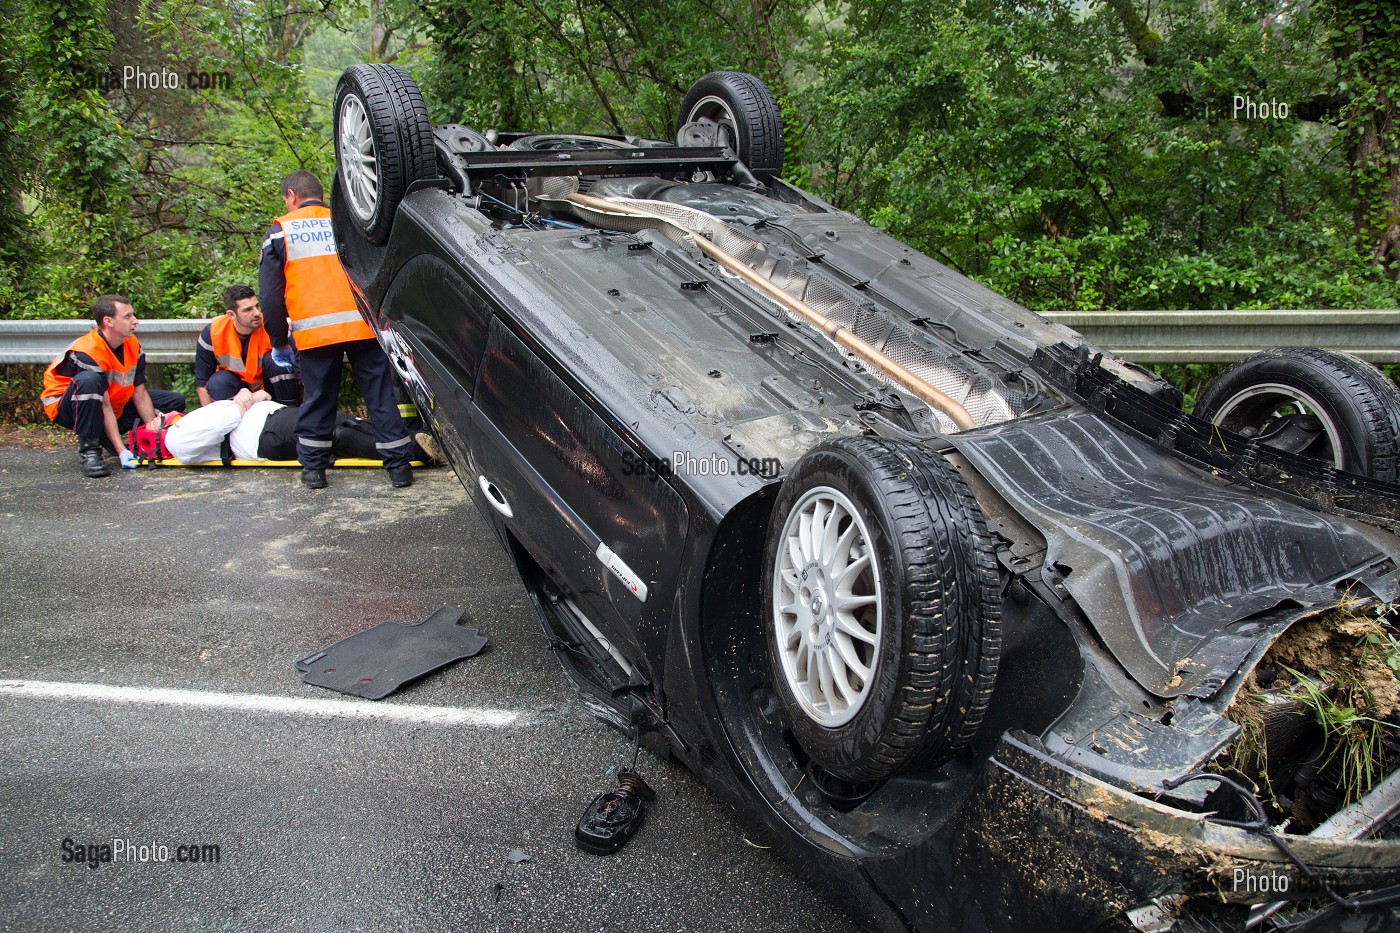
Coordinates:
[359,163]
[827,608]
[750,120]
[717,111]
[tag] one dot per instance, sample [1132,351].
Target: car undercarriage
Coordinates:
[968,613]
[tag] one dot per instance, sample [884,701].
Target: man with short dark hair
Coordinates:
[97,386]
[308,301]
[234,353]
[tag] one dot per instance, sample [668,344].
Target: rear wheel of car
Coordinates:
[882,608]
[383,144]
[746,113]
[1315,403]
[549,142]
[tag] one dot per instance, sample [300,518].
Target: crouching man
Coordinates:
[97,387]
[234,353]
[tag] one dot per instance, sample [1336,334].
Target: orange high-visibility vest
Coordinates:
[121,374]
[228,350]
[320,308]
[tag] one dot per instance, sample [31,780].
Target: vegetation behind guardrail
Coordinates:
[1176,342]
[1066,154]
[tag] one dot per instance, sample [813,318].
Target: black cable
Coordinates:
[573,647]
[1262,826]
[637,728]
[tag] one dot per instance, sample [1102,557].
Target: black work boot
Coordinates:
[313,479]
[90,458]
[401,476]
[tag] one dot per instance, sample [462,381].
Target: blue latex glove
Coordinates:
[285,356]
[129,461]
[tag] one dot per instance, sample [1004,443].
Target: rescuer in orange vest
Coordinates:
[97,387]
[305,292]
[235,353]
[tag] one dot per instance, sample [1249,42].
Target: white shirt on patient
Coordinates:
[198,436]
[245,437]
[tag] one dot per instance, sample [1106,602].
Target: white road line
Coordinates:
[261,703]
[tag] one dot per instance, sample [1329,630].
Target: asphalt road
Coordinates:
[148,629]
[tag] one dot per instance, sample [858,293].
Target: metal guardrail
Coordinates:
[165,341]
[1140,336]
[1226,336]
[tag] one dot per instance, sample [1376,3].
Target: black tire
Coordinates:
[743,104]
[937,635]
[1356,406]
[549,142]
[379,107]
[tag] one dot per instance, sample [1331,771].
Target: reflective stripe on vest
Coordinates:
[228,350]
[322,320]
[121,374]
[320,308]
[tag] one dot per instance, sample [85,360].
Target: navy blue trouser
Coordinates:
[81,406]
[320,377]
[279,381]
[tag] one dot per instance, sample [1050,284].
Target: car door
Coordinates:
[434,331]
[564,482]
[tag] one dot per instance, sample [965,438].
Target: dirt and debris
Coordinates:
[1026,835]
[1318,703]
[1341,645]
[43,436]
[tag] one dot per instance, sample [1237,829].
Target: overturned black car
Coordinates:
[970,614]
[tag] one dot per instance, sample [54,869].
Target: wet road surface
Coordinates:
[148,631]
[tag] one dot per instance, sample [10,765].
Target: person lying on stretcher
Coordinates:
[257,428]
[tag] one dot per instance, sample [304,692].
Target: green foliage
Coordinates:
[1338,703]
[16,250]
[161,193]
[1032,145]
[179,377]
[594,66]
[64,43]
[1072,155]
[1364,38]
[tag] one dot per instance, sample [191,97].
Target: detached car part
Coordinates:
[614,816]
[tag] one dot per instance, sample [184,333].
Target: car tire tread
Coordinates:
[761,132]
[1364,402]
[948,635]
[402,134]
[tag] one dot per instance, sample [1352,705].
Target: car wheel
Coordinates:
[1315,403]
[383,144]
[549,142]
[882,607]
[745,110]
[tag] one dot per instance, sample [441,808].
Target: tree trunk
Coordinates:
[1376,157]
[1365,39]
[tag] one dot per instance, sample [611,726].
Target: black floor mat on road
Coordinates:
[376,662]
